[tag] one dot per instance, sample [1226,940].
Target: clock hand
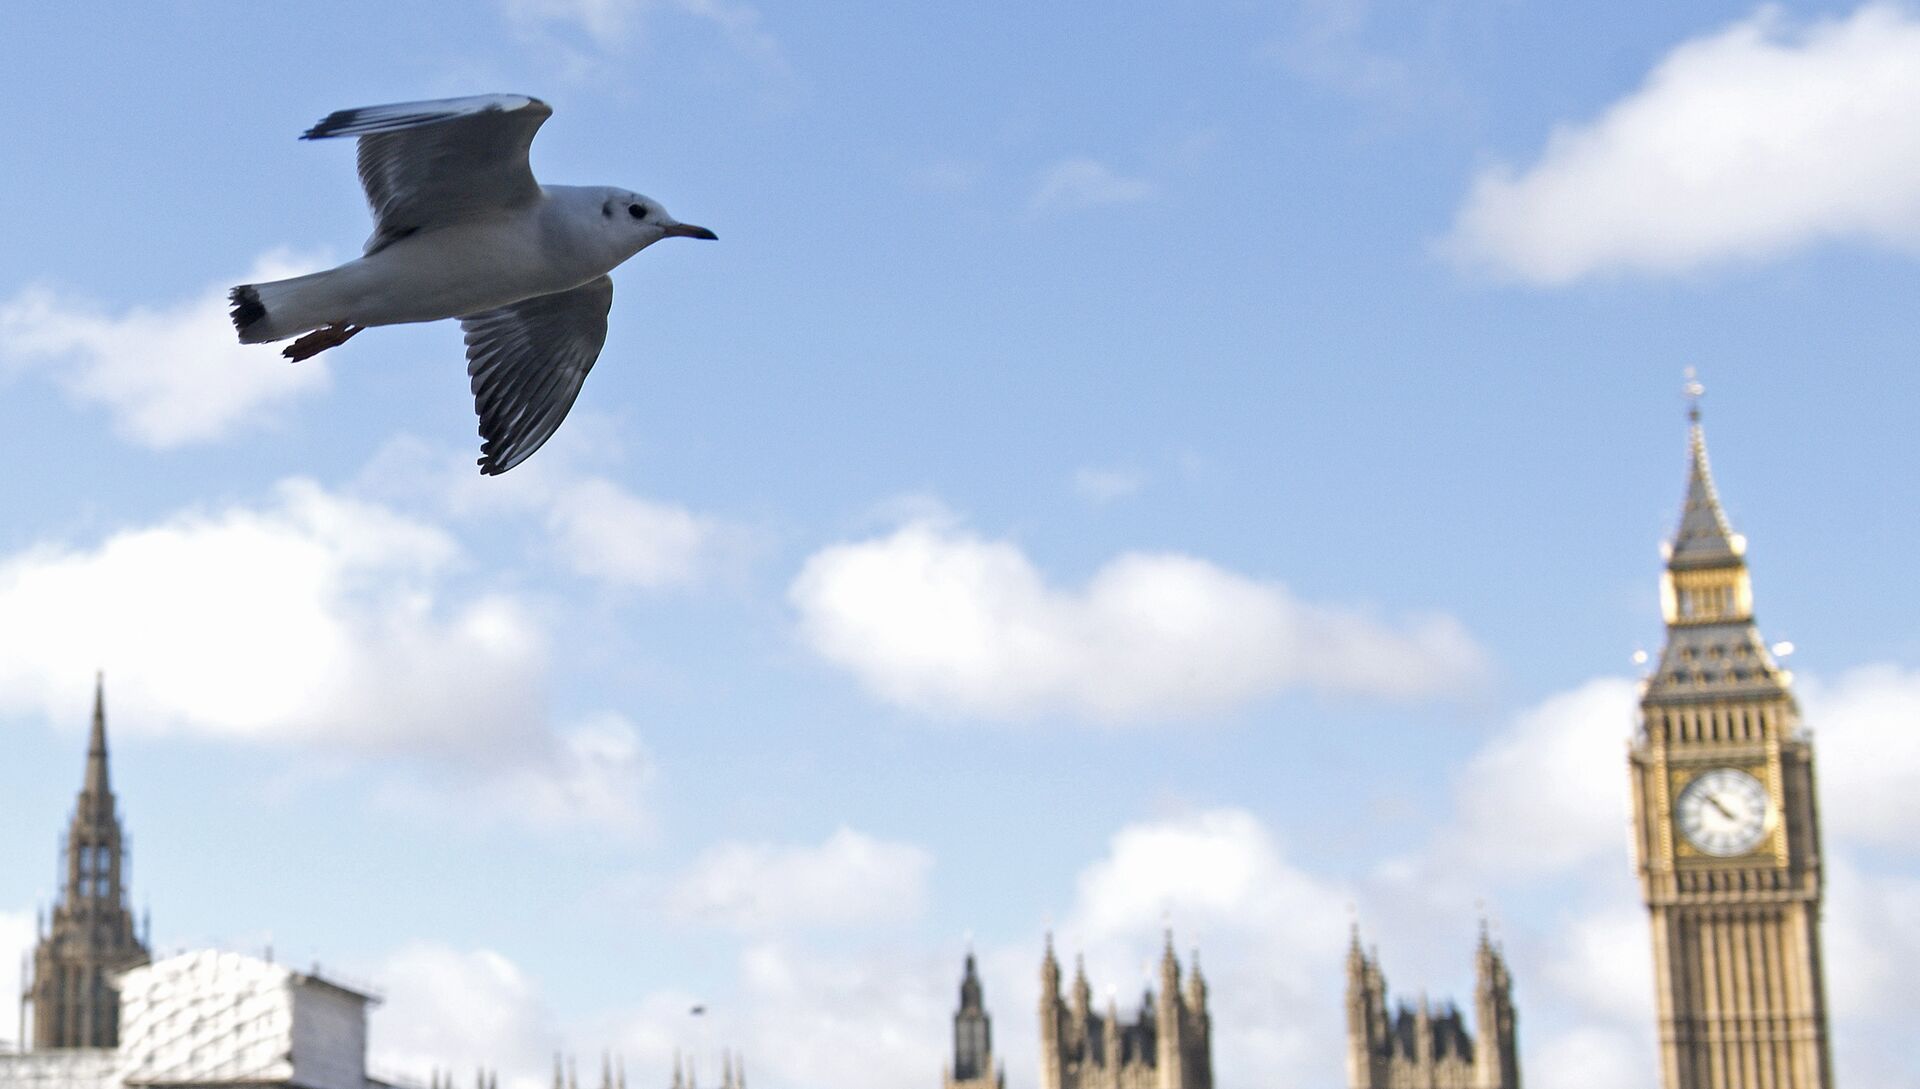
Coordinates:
[1714,801]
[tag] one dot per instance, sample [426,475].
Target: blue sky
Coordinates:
[1201,464]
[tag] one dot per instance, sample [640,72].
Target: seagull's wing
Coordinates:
[527,362]
[427,164]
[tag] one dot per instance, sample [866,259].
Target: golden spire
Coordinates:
[1704,537]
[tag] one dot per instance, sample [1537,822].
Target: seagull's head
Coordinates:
[636,222]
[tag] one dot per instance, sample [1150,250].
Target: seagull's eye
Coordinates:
[636,211]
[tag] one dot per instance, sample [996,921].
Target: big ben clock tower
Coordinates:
[1726,830]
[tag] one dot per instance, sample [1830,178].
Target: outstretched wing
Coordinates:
[427,164]
[527,362]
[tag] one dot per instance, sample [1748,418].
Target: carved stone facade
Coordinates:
[1422,1047]
[1726,829]
[972,1066]
[1167,1045]
[71,996]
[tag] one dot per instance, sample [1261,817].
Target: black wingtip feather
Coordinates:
[247,308]
[374,120]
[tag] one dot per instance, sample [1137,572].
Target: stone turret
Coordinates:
[1166,1046]
[1052,1047]
[1497,1059]
[1427,1046]
[972,1066]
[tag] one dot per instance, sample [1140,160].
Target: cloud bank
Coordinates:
[937,619]
[315,619]
[1763,138]
[168,377]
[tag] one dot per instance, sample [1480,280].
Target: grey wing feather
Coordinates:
[427,164]
[527,362]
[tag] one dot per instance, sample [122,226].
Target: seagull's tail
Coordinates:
[274,311]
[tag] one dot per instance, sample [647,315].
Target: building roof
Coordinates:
[1704,537]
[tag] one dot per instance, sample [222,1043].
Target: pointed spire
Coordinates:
[679,1072]
[96,782]
[970,992]
[1706,599]
[1704,537]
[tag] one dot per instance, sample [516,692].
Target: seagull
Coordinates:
[462,230]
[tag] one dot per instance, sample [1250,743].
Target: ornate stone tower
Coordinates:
[1726,832]
[972,1066]
[72,995]
[1167,1046]
[1419,1047]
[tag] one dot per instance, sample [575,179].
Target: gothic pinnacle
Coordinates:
[96,781]
[1704,537]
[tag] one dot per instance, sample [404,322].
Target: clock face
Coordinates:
[1723,812]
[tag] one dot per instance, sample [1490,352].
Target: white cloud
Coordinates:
[850,878]
[878,1021]
[593,526]
[1550,792]
[1209,869]
[1270,933]
[1106,485]
[1590,1057]
[1872,945]
[605,532]
[594,773]
[1079,183]
[16,939]
[935,618]
[168,377]
[1764,137]
[1873,957]
[1868,751]
[313,618]
[1588,962]
[450,1009]
[597,776]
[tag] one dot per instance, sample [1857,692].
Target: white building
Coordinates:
[212,1019]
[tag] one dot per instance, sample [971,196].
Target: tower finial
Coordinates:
[97,782]
[1704,537]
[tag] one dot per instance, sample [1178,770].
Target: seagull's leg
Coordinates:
[329,336]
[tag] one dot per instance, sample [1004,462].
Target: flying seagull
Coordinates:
[462,230]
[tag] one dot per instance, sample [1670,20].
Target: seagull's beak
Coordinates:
[688,230]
